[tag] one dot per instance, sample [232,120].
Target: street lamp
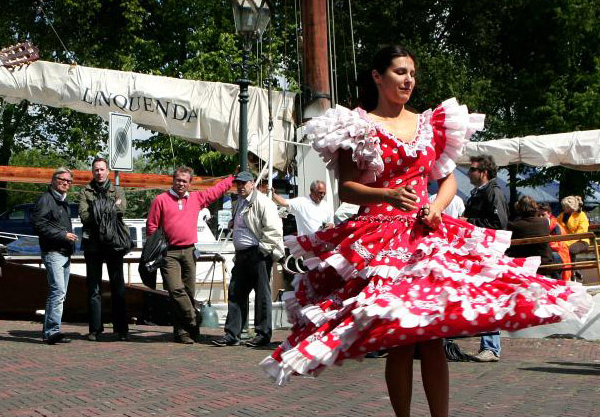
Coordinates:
[251,18]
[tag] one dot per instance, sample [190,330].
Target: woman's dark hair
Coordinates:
[545,208]
[367,89]
[526,207]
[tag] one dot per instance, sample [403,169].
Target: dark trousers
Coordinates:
[577,248]
[114,265]
[179,279]
[251,271]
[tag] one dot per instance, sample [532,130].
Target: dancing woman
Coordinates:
[400,275]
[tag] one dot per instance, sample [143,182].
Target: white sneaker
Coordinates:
[485,356]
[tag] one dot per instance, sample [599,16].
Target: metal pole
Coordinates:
[244,82]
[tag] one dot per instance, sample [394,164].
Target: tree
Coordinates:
[183,39]
[531,66]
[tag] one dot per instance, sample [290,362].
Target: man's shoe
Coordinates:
[123,337]
[485,356]
[57,338]
[184,339]
[195,334]
[258,341]
[226,341]
[93,337]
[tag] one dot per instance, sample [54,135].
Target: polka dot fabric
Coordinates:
[383,279]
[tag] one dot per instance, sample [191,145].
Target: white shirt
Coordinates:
[243,238]
[310,216]
[345,211]
[456,207]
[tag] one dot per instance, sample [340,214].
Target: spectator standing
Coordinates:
[52,223]
[101,202]
[312,214]
[176,211]
[486,207]
[258,241]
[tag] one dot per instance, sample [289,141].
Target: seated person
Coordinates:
[574,220]
[560,250]
[528,223]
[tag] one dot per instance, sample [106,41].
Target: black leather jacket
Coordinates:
[51,220]
[487,207]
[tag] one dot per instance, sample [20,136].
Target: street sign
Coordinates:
[119,142]
[223,217]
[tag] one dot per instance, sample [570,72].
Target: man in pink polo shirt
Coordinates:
[176,211]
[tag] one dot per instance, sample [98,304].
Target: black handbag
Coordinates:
[153,257]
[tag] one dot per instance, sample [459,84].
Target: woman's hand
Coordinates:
[431,215]
[403,198]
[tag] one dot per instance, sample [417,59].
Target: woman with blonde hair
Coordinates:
[574,220]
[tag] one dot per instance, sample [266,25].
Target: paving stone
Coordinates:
[152,376]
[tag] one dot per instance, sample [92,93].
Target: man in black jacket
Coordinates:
[100,200]
[52,223]
[486,208]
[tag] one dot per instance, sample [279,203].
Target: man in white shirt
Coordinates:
[456,207]
[312,214]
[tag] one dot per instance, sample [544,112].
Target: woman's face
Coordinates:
[397,82]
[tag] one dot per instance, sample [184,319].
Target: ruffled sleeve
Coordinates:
[341,128]
[452,126]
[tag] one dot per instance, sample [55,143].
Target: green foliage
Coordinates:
[531,66]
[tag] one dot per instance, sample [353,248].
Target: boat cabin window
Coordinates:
[17,215]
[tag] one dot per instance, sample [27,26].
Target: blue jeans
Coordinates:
[491,342]
[57,267]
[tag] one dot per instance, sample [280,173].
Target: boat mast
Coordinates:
[315,58]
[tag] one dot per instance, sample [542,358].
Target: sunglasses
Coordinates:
[473,169]
[64,180]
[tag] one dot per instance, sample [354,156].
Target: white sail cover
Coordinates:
[198,111]
[575,150]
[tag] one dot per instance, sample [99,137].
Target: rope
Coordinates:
[69,54]
[172,150]
[353,46]
[297,9]
[332,53]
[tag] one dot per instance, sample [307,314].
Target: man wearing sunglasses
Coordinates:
[312,214]
[52,222]
[486,207]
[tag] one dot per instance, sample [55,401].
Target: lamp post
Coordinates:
[251,18]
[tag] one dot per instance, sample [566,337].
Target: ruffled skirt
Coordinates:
[376,282]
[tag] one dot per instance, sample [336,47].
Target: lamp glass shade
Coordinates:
[251,16]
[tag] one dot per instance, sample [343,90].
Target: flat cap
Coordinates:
[244,176]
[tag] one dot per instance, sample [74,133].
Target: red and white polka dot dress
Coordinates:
[382,278]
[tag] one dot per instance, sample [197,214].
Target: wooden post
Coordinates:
[315,55]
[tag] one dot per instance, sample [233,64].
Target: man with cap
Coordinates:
[258,241]
[176,211]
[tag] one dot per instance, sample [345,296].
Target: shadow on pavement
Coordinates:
[574,368]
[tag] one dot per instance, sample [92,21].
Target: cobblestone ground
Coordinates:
[151,376]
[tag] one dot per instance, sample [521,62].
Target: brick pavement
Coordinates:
[151,376]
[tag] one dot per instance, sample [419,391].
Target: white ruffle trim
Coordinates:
[578,306]
[341,128]
[460,126]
